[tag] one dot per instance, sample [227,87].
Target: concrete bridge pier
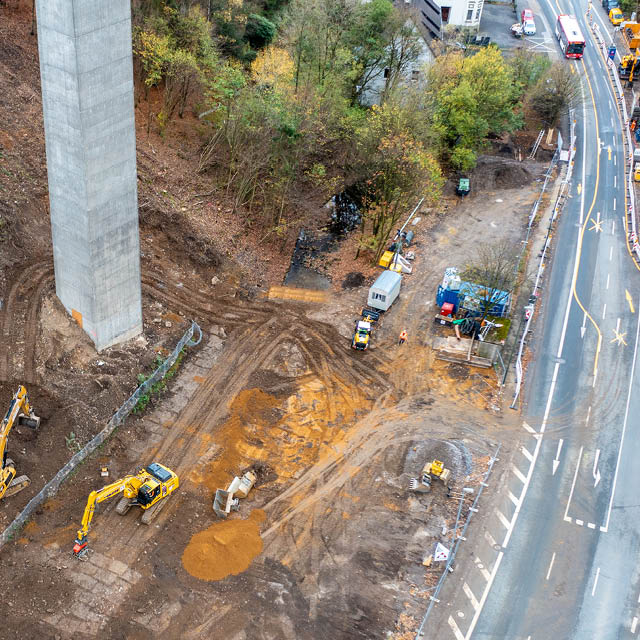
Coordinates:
[87,96]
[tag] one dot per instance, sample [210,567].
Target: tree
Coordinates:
[259,32]
[527,68]
[469,99]
[556,92]
[493,270]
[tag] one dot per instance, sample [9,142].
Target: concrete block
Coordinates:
[87,95]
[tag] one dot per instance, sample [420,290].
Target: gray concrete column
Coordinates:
[87,97]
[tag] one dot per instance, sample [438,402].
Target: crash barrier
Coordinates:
[458,539]
[51,488]
[532,217]
[630,212]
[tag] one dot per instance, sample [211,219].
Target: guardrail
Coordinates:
[51,488]
[630,211]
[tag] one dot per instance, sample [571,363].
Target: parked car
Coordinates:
[528,23]
[616,17]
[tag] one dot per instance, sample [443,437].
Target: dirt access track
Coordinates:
[330,543]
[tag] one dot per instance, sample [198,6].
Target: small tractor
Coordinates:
[362,333]
[431,471]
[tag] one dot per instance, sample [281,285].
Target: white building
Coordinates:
[434,15]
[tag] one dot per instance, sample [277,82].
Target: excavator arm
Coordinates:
[20,412]
[128,485]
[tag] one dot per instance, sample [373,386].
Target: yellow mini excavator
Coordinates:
[146,489]
[20,413]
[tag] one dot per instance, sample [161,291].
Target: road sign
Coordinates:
[612,53]
[441,552]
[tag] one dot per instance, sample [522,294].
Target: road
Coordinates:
[566,557]
[568,567]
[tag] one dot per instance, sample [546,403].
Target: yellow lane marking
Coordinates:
[609,152]
[619,338]
[627,295]
[584,226]
[613,90]
[579,188]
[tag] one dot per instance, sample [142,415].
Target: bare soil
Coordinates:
[330,543]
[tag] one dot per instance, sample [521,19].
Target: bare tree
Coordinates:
[555,93]
[493,270]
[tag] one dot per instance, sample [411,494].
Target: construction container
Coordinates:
[386,259]
[384,290]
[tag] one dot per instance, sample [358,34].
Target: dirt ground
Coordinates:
[330,543]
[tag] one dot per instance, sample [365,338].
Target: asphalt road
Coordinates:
[570,565]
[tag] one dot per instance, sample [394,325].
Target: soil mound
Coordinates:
[226,548]
[494,172]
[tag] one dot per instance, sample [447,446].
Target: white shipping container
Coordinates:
[384,290]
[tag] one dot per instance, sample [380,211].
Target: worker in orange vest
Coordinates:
[403,337]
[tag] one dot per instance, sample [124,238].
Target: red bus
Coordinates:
[570,37]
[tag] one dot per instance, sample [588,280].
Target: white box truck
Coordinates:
[384,290]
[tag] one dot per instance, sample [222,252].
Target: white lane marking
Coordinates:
[579,522]
[613,228]
[573,485]
[595,582]
[608,276]
[518,473]
[634,624]
[639,599]
[615,182]
[526,454]
[591,525]
[553,557]
[596,471]
[467,589]
[583,328]
[595,377]
[614,204]
[489,539]
[513,498]
[556,462]
[610,253]
[505,523]
[528,428]
[624,429]
[552,388]
[454,627]
[586,420]
[482,569]
[604,310]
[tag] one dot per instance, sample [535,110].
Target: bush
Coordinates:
[259,31]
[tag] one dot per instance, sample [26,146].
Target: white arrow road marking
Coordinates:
[596,471]
[556,462]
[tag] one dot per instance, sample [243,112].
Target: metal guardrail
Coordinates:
[51,488]
[632,233]
[459,539]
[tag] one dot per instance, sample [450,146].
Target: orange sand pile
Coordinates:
[226,548]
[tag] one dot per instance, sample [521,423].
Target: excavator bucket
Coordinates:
[32,421]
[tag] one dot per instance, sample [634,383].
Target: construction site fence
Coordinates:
[458,539]
[51,488]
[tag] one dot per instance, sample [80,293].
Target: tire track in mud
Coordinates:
[19,322]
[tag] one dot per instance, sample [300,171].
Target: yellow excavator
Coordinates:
[20,413]
[146,489]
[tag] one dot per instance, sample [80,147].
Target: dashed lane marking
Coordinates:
[634,624]
[474,601]
[526,454]
[579,522]
[482,569]
[553,558]
[513,499]
[518,473]
[454,627]
[591,525]
[505,523]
